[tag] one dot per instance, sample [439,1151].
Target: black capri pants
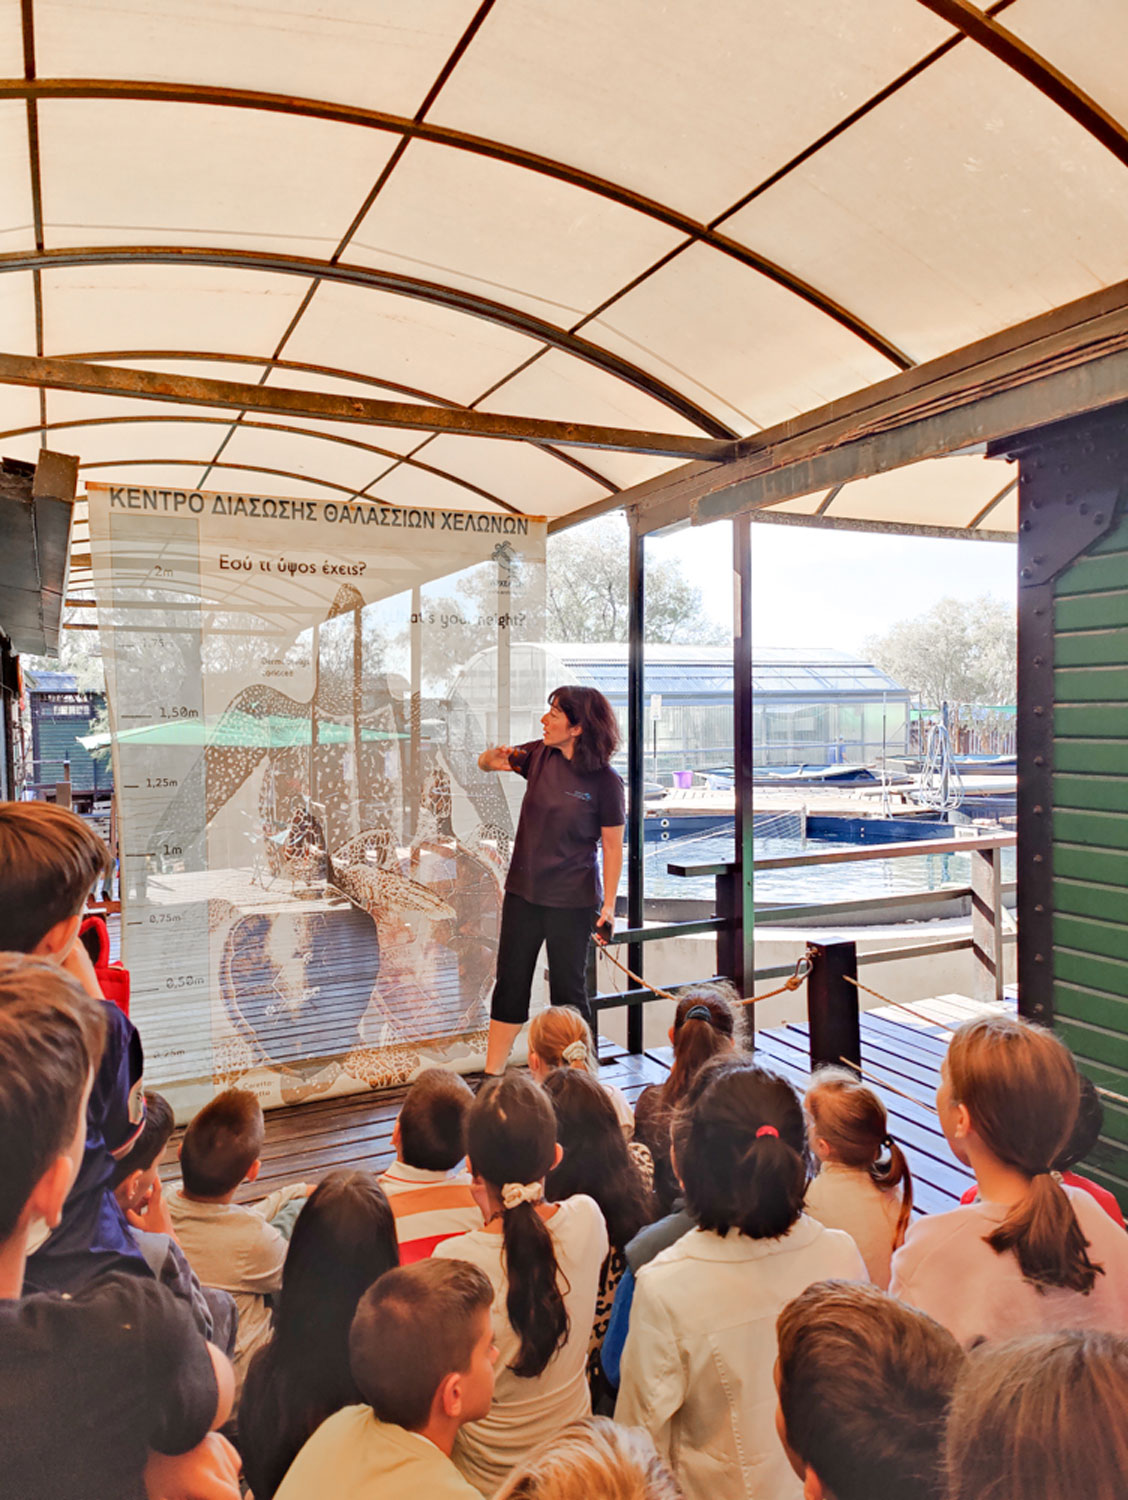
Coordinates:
[566,931]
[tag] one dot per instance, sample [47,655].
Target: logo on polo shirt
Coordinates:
[583,796]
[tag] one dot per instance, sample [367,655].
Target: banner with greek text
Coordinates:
[311,860]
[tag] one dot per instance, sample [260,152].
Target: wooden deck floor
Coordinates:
[900,1053]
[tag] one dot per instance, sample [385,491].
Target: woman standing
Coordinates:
[574,805]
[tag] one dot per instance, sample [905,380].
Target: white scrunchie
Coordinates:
[514,1193]
[575,1052]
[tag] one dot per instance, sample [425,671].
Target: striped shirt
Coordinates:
[429,1207]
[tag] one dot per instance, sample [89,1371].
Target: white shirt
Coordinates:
[233,1247]
[623,1111]
[697,1367]
[842,1197]
[947,1269]
[527,1410]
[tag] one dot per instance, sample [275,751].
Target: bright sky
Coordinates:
[835,588]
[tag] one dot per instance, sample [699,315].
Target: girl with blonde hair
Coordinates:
[1030,1255]
[559,1037]
[864,1185]
[593,1458]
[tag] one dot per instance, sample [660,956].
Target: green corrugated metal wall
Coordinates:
[1090,830]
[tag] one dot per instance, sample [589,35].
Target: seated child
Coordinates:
[697,1367]
[1041,1418]
[423,1357]
[559,1037]
[231,1245]
[93,1384]
[50,861]
[428,1185]
[137,1187]
[1030,1256]
[344,1239]
[864,1387]
[1086,1134]
[594,1459]
[543,1261]
[864,1185]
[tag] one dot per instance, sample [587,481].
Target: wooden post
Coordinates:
[987,923]
[832,1005]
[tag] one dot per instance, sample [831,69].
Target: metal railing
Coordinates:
[986,891]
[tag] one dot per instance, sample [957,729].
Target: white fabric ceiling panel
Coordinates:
[1005,515]
[283,486]
[19,408]
[506,233]
[521,474]
[403,339]
[17,314]
[963,204]
[77,406]
[803,505]
[11,42]
[406,485]
[155,475]
[621,469]
[1086,39]
[397,439]
[738,344]
[167,307]
[690,105]
[382,54]
[146,440]
[17,226]
[125,172]
[955,488]
[318,458]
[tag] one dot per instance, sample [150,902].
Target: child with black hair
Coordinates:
[428,1185]
[543,1260]
[697,1367]
[137,1187]
[234,1246]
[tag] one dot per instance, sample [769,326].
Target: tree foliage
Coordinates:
[956,652]
[587,592]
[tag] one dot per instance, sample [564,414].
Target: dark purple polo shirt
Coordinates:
[558,833]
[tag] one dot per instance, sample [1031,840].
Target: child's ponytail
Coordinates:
[741,1149]
[851,1119]
[511,1141]
[1020,1087]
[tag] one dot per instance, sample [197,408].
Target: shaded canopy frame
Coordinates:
[979,26]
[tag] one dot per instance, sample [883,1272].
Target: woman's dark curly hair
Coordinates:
[599,729]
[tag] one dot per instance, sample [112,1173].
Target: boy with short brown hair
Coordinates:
[97,1386]
[422,1355]
[49,863]
[231,1245]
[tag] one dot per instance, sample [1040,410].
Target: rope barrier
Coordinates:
[885,1084]
[802,969]
[899,1004]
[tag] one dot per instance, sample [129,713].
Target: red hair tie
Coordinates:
[767,1130]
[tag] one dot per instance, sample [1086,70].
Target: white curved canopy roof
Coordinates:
[698,220]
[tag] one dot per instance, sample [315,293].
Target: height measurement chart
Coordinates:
[311,861]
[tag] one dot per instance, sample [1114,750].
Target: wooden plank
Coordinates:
[1091,611]
[1091,648]
[1087,935]
[1108,975]
[1115,540]
[1087,1040]
[1096,721]
[1102,829]
[1092,793]
[1091,685]
[1091,574]
[1090,757]
[1086,899]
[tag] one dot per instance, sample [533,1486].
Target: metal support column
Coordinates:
[743,950]
[832,1005]
[636,807]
